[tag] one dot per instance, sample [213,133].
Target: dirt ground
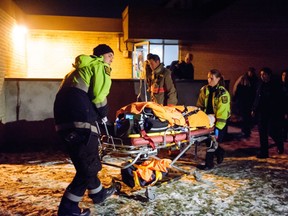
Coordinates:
[33,183]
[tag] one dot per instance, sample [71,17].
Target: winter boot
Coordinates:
[70,208]
[209,162]
[219,155]
[280,146]
[103,194]
[262,155]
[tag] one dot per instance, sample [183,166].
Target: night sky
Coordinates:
[85,8]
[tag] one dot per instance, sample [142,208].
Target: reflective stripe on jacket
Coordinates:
[162,87]
[91,75]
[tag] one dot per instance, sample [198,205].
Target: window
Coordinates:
[166,52]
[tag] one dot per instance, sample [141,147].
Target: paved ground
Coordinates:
[33,183]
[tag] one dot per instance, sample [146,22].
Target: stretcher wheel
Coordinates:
[102,152]
[118,186]
[150,194]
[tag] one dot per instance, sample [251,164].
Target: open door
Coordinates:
[139,57]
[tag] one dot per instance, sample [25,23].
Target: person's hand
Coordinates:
[216,133]
[104,120]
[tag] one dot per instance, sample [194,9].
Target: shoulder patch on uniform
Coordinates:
[224,99]
[107,70]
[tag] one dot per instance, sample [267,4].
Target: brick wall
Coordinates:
[8,58]
[51,53]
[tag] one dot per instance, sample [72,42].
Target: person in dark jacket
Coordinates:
[284,87]
[215,99]
[183,69]
[244,97]
[80,102]
[161,88]
[268,107]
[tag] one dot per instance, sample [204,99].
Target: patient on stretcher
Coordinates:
[148,118]
[142,129]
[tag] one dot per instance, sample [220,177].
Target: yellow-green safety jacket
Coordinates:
[89,77]
[220,103]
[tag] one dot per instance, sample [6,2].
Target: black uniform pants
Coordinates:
[269,126]
[82,146]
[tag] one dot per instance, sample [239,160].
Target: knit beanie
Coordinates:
[102,49]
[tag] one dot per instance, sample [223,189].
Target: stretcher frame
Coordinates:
[114,146]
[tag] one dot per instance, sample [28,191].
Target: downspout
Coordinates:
[18,101]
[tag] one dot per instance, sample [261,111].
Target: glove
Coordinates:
[107,122]
[216,133]
[104,120]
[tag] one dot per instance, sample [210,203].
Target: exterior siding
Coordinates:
[9,58]
[51,53]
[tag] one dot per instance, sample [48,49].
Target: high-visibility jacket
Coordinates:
[220,103]
[91,75]
[82,97]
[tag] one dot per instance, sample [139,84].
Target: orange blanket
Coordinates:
[145,170]
[173,114]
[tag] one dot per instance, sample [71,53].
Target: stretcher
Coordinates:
[142,148]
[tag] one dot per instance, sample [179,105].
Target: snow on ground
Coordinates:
[33,183]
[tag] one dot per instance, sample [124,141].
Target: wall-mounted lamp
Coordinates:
[19,33]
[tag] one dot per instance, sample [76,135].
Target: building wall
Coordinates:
[229,41]
[10,59]
[30,125]
[51,53]
[30,100]
[33,99]
[48,53]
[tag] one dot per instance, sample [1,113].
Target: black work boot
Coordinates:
[70,208]
[103,194]
[209,162]
[219,155]
[280,147]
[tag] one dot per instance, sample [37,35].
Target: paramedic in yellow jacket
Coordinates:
[161,87]
[215,99]
[80,101]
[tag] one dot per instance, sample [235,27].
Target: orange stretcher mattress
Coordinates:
[157,138]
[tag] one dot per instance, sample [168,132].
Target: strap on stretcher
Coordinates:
[146,137]
[185,113]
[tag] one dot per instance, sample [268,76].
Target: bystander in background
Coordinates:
[244,97]
[284,87]
[183,69]
[268,106]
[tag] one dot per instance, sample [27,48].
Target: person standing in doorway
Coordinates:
[162,89]
[215,99]
[80,102]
